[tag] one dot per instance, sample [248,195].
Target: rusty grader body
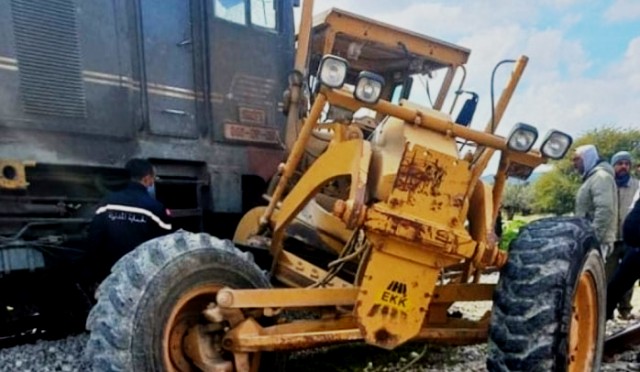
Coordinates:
[375,226]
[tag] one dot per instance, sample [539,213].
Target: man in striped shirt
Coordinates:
[126,219]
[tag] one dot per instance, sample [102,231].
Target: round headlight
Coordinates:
[332,71]
[522,137]
[556,144]
[368,87]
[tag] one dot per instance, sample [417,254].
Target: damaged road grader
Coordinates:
[365,221]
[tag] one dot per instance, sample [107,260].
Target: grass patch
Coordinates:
[510,229]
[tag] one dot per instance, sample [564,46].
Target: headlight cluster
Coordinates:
[332,72]
[556,144]
[523,136]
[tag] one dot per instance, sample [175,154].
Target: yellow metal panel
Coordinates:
[430,138]
[394,297]
[389,141]
[430,186]
[341,159]
[426,234]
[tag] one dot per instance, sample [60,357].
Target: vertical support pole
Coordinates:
[294,157]
[484,154]
[298,75]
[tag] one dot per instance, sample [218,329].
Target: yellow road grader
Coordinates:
[377,222]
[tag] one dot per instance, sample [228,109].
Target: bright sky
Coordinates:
[584,67]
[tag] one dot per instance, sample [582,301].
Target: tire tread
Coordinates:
[111,321]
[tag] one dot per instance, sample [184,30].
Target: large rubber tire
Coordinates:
[533,306]
[135,302]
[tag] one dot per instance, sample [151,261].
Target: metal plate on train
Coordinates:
[247,133]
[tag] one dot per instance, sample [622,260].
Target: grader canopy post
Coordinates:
[299,74]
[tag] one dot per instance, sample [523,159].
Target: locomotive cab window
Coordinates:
[263,13]
[231,10]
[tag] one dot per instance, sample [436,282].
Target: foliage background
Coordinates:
[554,192]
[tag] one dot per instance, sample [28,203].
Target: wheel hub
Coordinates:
[190,343]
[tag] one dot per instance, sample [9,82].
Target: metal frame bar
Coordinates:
[311,297]
[249,336]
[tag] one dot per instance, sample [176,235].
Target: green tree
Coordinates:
[610,140]
[517,198]
[554,192]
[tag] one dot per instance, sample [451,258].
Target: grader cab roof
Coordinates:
[378,47]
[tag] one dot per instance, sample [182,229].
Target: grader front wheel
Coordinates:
[549,305]
[150,309]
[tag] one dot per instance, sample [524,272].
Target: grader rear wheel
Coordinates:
[549,305]
[150,309]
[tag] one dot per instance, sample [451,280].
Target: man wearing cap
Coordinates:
[627,187]
[627,272]
[126,219]
[596,198]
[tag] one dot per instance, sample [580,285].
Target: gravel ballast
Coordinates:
[67,354]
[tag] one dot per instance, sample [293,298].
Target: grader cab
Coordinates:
[364,222]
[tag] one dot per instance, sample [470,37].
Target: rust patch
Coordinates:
[394,202]
[419,175]
[374,310]
[417,232]
[394,313]
[383,337]
[458,200]
[299,342]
